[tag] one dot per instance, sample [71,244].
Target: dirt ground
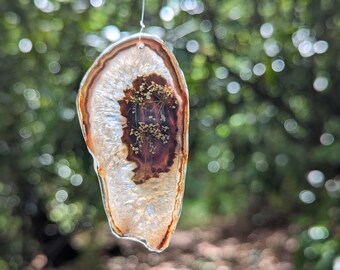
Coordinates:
[220,247]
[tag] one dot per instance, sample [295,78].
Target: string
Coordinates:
[142,25]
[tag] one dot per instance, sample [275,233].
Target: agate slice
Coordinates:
[133,111]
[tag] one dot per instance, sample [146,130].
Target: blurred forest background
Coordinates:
[263,79]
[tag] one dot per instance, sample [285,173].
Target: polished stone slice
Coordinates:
[133,111]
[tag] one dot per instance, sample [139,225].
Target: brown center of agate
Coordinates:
[150,108]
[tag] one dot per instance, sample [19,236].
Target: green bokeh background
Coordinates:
[263,78]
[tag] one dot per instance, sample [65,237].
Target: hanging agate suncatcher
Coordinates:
[133,111]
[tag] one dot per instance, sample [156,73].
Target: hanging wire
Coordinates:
[142,25]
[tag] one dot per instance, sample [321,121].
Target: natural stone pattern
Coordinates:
[133,110]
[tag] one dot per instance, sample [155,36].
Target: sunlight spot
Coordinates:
[206,26]
[54,67]
[61,195]
[246,74]
[332,187]
[307,196]
[316,178]
[76,180]
[291,125]
[237,119]
[187,5]
[25,132]
[41,4]
[220,32]
[320,84]
[259,69]
[318,232]
[64,171]
[271,47]
[261,165]
[221,73]
[25,45]
[167,14]
[12,18]
[266,30]
[336,264]
[278,65]
[300,35]
[233,87]
[207,121]
[95,41]
[46,159]
[214,151]
[234,14]
[79,6]
[67,114]
[111,33]
[31,94]
[214,166]
[320,46]
[306,48]
[327,139]
[97,3]
[192,46]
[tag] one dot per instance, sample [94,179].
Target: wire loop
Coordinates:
[142,26]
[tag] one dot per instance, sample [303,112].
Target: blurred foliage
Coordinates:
[263,78]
